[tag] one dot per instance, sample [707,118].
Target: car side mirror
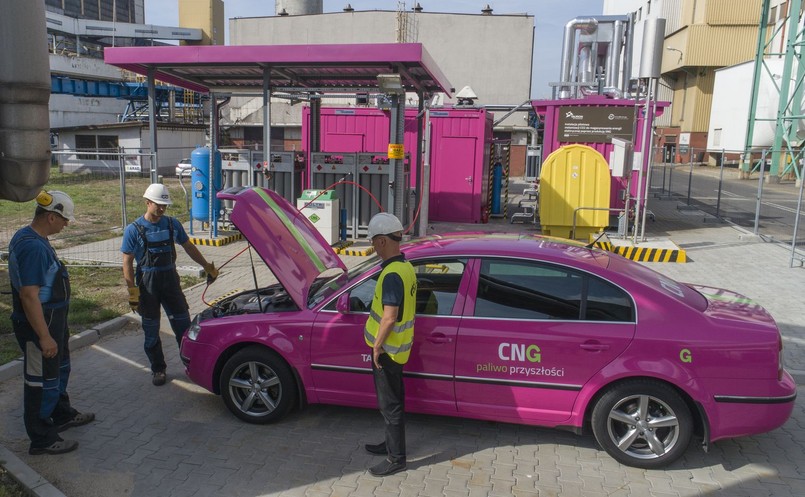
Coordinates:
[342,305]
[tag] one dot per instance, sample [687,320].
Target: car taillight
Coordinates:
[780,365]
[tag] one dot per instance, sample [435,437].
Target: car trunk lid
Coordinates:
[726,304]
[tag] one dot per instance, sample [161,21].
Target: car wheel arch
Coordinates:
[697,411]
[235,348]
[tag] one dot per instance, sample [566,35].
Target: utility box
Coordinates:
[322,210]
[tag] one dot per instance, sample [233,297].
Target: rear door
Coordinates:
[532,335]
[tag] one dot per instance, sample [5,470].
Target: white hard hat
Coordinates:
[384,224]
[58,202]
[158,193]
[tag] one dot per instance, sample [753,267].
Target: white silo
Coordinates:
[298,7]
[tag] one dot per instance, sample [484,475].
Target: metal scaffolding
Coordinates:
[786,150]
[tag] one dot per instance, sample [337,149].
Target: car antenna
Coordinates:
[592,243]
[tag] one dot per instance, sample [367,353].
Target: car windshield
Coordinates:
[324,287]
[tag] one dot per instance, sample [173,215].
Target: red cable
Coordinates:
[204,293]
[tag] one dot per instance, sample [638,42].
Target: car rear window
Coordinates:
[660,282]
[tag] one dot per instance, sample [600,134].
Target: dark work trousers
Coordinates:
[161,289]
[45,401]
[391,401]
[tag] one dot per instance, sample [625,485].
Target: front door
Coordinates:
[341,361]
[452,182]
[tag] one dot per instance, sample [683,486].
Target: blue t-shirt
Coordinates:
[156,232]
[393,290]
[33,262]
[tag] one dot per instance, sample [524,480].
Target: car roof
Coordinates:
[518,245]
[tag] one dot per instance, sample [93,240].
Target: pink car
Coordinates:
[509,327]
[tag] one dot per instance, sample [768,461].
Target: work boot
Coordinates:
[58,447]
[159,378]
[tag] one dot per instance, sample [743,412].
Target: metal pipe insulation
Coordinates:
[614,55]
[24,96]
[586,24]
[513,129]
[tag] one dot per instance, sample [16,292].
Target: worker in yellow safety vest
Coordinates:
[390,332]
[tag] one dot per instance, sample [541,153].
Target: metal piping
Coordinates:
[614,55]
[514,129]
[627,52]
[587,24]
[586,64]
[610,91]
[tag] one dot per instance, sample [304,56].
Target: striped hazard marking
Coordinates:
[643,254]
[216,242]
[646,254]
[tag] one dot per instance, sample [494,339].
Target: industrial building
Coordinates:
[474,50]
[490,52]
[701,37]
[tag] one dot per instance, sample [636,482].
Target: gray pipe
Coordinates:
[586,64]
[528,129]
[627,52]
[586,24]
[614,55]
[24,96]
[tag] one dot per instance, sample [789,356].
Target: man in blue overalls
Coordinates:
[40,291]
[151,240]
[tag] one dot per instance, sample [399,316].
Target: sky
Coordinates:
[550,17]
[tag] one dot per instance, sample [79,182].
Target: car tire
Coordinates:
[257,386]
[642,423]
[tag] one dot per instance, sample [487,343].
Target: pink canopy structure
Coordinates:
[233,68]
[390,68]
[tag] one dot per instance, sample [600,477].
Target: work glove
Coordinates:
[134,299]
[212,273]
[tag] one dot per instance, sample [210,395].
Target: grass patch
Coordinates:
[9,486]
[98,206]
[98,295]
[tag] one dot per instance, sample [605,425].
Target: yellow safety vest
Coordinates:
[401,339]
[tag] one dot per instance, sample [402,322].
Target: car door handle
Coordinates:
[439,338]
[594,346]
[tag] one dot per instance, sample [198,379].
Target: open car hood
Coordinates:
[285,239]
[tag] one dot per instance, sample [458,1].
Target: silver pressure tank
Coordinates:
[24,95]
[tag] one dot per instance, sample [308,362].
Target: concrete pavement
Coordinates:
[179,440]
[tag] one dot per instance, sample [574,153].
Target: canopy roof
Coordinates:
[240,68]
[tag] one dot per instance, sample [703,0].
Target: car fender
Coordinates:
[289,345]
[627,367]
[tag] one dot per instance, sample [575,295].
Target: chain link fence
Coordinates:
[769,206]
[107,191]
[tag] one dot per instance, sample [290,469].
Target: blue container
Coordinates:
[200,183]
[497,182]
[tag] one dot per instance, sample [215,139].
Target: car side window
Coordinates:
[528,290]
[437,287]
[606,302]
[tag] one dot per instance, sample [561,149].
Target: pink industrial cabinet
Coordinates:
[553,112]
[459,152]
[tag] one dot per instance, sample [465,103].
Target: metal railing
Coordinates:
[737,189]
